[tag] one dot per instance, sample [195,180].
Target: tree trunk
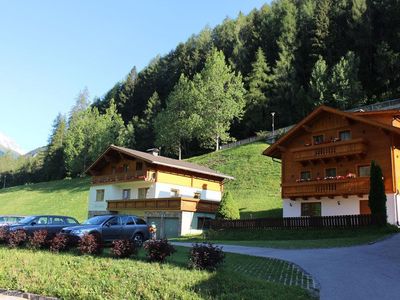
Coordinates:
[179,152]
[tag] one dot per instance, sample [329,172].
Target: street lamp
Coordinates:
[273,126]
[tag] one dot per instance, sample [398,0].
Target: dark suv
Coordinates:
[53,224]
[108,228]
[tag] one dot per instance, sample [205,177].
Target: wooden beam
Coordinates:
[281,148]
[306,128]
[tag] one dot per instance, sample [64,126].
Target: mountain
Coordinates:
[35,152]
[8,145]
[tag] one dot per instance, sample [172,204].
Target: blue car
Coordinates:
[108,228]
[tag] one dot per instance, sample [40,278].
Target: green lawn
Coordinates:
[85,277]
[295,239]
[257,185]
[65,197]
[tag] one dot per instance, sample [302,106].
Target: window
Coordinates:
[174,193]
[70,221]
[113,170]
[126,168]
[364,171]
[139,166]
[331,172]
[311,209]
[42,221]
[127,220]
[57,221]
[318,139]
[126,194]
[345,135]
[202,223]
[142,193]
[305,175]
[140,221]
[99,195]
[114,221]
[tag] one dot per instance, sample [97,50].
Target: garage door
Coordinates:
[170,228]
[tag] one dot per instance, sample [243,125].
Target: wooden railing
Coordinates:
[330,150]
[131,176]
[169,204]
[348,221]
[330,187]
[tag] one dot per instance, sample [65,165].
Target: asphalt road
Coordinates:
[358,272]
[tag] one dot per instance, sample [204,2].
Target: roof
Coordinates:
[162,161]
[392,112]
[274,150]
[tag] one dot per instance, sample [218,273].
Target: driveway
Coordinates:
[358,272]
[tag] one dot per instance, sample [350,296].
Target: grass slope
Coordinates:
[256,187]
[66,197]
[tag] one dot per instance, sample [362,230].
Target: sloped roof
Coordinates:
[162,161]
[274,151]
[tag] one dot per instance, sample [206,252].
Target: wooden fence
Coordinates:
[348,221]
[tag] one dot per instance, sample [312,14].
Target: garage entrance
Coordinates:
[170,228]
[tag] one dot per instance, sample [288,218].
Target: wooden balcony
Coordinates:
[333,150]
[121,177]
[168,204]
[326,188]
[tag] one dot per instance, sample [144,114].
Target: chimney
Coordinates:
[153,151]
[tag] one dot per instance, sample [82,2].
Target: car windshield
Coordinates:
[96,220]
[26,220]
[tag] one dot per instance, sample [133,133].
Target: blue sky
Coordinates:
[50,50]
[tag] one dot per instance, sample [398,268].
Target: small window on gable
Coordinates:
[345,135]
[364,171]
[331,172]
[126,168]
[305,175]
[318,139]
[139,166]
[99,195]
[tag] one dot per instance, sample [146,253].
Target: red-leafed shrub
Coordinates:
[3,235]
[59,243]
[17,238]
[124,248]
[206,257]
[38,239]
[90,244]
[158,250]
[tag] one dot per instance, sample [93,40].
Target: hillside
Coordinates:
[256,187]
[69,196]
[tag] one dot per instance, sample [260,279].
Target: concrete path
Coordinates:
[358,272]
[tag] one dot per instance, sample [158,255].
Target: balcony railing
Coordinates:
[168,204]
[331,150]
[326,188]
[122,177]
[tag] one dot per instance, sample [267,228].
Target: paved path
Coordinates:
[358,272]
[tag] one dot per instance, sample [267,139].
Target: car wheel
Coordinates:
[138,239]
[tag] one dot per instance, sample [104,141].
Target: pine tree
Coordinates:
[228,209]
[345,88]
[377,196]
[321,29]
[319,83]
[128,87]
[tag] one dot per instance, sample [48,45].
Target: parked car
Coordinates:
[53,224]
[108,228]
[7,220]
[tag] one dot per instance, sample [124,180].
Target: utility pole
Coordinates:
[273,126]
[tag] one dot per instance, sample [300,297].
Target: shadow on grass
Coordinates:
[270,213]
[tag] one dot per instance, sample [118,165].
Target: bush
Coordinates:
[3,235]
[90,244]
[228,209]
[38,239]
[206,257]
[158,250]
[124,248]
[17,238]
[377,197]
[59,243]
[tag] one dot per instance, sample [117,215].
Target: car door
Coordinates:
[40,223]
[112,229]
[128,227]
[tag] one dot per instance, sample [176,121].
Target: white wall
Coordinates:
[189,222]
[110,192]
[348,206]
[163,190]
